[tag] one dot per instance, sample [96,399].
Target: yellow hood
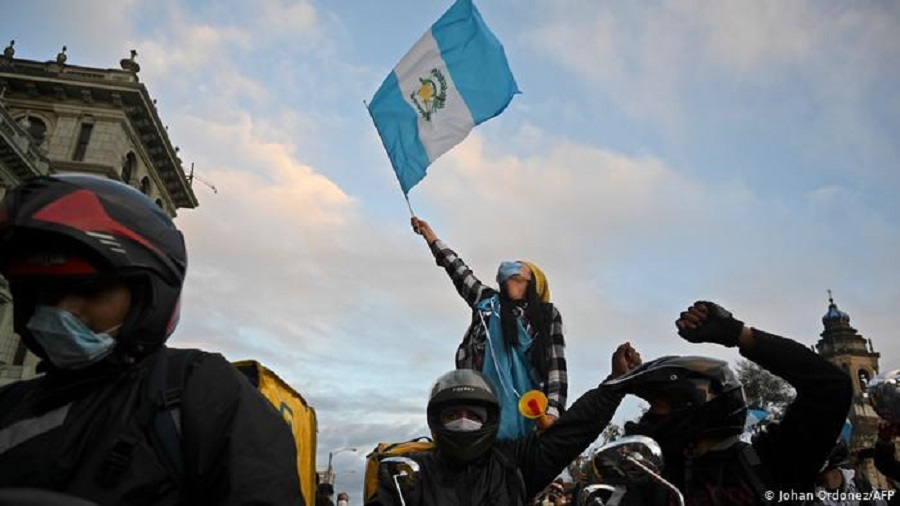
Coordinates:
[540,281]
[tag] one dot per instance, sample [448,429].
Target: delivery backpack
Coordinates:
[159,418]
[373,459]
[296,412]
[425,444]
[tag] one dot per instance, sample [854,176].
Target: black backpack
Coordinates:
[158,417]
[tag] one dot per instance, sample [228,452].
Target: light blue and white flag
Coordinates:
[847,431]
[455,77]
[754,418]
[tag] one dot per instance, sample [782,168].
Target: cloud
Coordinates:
[198,48]
[660,61]
[94,31]
[674,43]
[299,19]
[752,38]
[628,242]
[189,56]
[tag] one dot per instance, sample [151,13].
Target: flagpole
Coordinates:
[411,213]
[405,196]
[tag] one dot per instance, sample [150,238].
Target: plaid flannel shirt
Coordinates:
[471,351]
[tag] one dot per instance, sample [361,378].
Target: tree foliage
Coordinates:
[763,389]
[611,433]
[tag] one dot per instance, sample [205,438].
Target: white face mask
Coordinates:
[342,502]
[463,425]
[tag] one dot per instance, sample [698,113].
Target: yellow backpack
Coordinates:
[296,412]
[373,459]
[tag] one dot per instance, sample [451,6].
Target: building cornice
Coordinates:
[119,89]
[17,150]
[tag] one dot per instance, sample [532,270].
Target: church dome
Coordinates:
[835,315]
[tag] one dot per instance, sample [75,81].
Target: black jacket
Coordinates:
[513,470]
[789,456]
[885,460]
[56,433]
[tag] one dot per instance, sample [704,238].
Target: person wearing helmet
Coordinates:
[515,337]
[471,466]
[884,392]
[697,414]
[839,483]
[885,452]
[96,272]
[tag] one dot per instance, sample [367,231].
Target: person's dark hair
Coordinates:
[539,315]
[325,489]
[838,458]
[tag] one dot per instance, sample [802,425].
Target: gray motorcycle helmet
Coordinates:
[884,392]
[460,388]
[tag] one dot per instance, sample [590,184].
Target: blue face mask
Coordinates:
[69,343]
[507,270]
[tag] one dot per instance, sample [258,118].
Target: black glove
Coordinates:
[721,327]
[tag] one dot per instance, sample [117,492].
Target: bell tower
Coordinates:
[843,346]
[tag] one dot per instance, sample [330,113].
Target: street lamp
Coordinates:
[329,474]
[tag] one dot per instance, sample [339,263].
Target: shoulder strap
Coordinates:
[517,488]
[420,439]
[165,389]
[157,417]
[755,471]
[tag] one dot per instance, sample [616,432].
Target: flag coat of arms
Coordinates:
[455,77]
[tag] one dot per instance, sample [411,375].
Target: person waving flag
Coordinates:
[455,77]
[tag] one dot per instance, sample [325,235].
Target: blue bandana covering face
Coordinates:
[507,270]
[508,369]
[69,343]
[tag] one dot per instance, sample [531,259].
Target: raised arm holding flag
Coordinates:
[515,338]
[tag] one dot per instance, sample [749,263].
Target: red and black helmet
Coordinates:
[60,228]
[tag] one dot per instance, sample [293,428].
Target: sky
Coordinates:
[661,152]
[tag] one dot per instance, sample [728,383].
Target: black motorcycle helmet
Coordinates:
[707,399]
[64,228]
[461,388]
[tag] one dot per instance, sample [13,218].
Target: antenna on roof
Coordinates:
[191,178]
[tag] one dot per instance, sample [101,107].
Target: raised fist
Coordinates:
[707,322]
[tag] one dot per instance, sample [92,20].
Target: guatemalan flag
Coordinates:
[455,77]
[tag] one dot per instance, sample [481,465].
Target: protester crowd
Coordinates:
[117,417]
